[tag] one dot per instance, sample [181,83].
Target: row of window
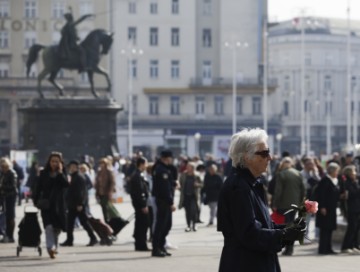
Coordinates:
[200,105]
[175,7]
[174,36]
[327,82]
[58,8]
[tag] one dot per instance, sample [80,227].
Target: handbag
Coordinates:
[43,204]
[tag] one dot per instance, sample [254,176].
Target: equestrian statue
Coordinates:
[69,54]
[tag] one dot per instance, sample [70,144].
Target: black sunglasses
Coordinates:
[263,153]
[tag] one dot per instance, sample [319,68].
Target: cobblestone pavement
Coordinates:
[197,251]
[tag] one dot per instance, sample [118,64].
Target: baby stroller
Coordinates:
[29,231]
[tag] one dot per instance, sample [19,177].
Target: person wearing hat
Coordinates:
[77,196]
[163,181]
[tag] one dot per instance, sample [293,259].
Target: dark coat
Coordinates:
[8,183]
[139,190]
[77,194]
[212,186]
[328,196]
[353,201]
[163,183]
[251,239]
[52,188]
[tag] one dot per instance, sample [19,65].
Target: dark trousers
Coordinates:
[350,239]
[151,221]
[9,208]
[72,214]
[191,210]
[325,241]
[163,224]
[140,229]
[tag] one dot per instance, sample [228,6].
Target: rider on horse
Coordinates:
[68,43]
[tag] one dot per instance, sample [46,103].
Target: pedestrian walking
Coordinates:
[50,199]
[212,186]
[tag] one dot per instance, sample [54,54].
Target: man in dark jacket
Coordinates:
[20,178]
[251,240]
[163,182]
[77,196]
[139,193]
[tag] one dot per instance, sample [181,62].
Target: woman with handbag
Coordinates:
[49,198]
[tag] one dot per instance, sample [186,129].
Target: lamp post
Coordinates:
[197,137]
[355,115]
[265,77]
[131,53]
[348,81]
[328,110]
[233,46]
[278,140]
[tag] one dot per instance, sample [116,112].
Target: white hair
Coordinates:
[245,142]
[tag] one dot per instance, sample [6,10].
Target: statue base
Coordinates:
[75,127]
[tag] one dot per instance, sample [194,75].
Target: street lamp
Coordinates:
[278,140]
[348,81]
[328,110]
[197,137]
[233,46]
[265,76]
[131,53]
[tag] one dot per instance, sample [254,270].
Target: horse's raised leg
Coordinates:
[58,86]
[91,80]
[103,72]
[39,79]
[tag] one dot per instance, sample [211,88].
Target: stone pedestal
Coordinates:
[75,127]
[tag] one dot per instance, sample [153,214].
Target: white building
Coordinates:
[182,83]
[325,58]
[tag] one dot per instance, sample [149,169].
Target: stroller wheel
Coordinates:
[18,249]
[40,251]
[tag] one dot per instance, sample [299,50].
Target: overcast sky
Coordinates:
[286,9]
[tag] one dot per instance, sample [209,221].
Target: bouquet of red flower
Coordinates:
[306,207]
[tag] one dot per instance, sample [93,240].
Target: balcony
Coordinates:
[222,82]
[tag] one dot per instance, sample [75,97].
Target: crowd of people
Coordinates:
[61,192]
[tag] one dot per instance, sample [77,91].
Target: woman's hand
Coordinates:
[323,211]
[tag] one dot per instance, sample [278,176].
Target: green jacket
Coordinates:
[289,189]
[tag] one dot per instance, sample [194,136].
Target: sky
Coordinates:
[280,10]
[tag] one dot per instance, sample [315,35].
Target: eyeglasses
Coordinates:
[263,153]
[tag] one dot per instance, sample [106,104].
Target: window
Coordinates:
[286,108]
[58,9]
[30,9]
[307,59]
[206,37]
[132,35]
[256,105]
[207,7]
[286,83]
[175,105]
[153,36]
[207,72]
[132,7]
[154,105]
[4,8]
[4,70]
[86,7]
[219,105]
[154,69]
[135,103]
[200,105]
[175,7]
[4,39]
[132,69]
[327,82]
[328,59]
[153,7]
[239,105]
[30,39]
[175,69]
[307,83]
[175,36]
[353,82]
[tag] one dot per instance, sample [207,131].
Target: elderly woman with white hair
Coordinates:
[327,193]
[251,239]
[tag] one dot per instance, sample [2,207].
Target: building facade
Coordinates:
[22,24]
[325,81]
[181,84]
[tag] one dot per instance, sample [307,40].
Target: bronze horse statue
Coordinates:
[97,43]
